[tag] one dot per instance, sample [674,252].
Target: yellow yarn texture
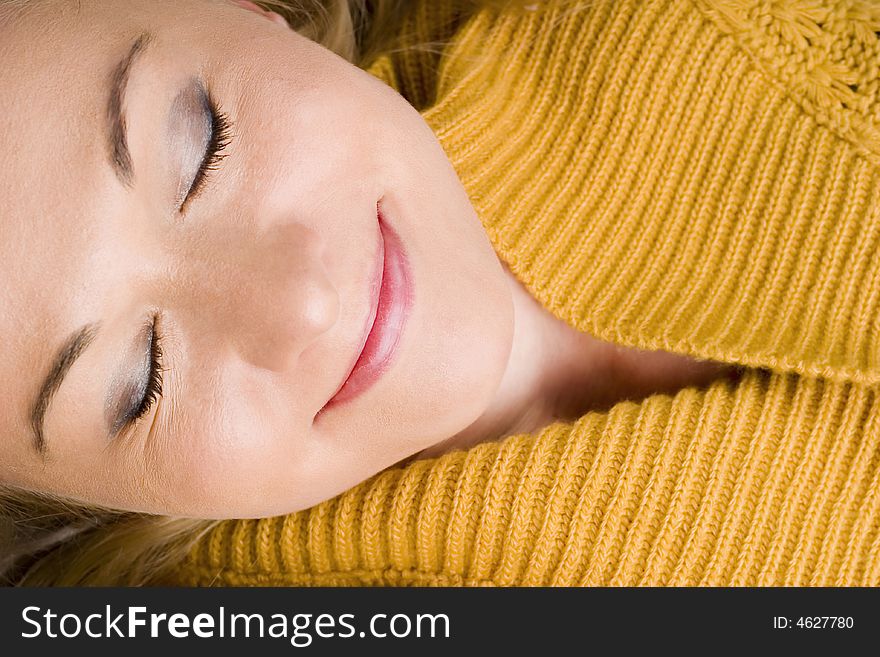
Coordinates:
[698,176]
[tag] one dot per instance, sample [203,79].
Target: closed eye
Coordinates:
[221,137]
[150,390]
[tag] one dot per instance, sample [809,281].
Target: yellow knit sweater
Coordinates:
[698,176]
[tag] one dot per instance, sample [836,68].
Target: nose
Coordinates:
[268,296]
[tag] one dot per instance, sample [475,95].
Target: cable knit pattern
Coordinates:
[698,176]
[827,56]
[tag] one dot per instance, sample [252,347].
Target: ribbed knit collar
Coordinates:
[669,180]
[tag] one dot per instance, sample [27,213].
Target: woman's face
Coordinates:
[260,278]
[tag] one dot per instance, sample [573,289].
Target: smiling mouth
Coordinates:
[391,305]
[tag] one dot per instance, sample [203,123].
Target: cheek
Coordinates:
[216,473]
[244,453]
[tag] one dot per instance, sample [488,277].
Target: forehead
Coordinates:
[49,101]
[53,103]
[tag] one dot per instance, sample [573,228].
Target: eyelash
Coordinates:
[221,136]
[154,382]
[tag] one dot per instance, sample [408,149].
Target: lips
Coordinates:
[391,301]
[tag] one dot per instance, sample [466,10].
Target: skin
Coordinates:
[261,284]
[556,373]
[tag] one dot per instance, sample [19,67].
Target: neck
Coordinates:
[551,371]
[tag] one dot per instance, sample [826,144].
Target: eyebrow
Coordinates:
[72,349]
[120,156]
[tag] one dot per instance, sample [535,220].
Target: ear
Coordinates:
[271,15]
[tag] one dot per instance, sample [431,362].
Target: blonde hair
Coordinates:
[46,540]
